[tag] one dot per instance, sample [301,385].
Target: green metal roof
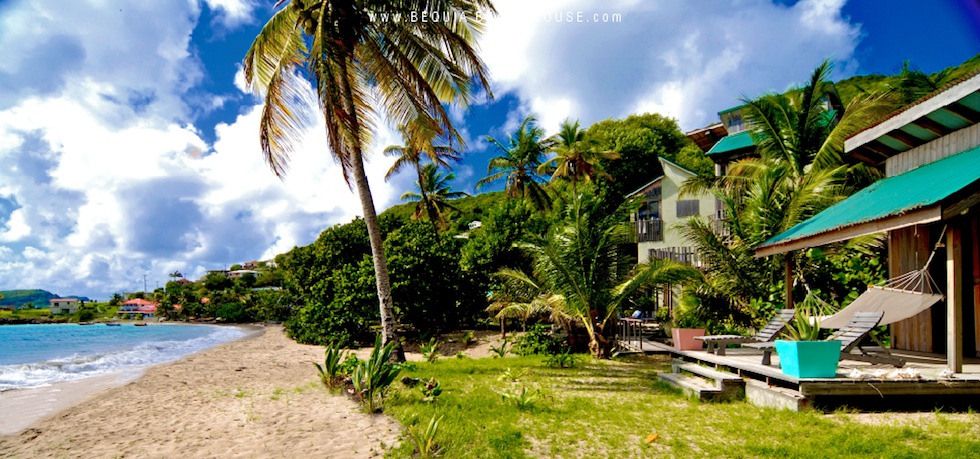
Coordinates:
[731,143]
[916,189]
[729,110]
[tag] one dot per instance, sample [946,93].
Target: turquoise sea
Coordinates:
[40,355]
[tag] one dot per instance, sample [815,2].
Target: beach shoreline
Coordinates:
[257,396]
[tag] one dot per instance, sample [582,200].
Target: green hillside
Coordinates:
[852,86]
[468,208]
[18,298]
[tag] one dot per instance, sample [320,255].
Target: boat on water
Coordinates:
[140,324]
[112,324]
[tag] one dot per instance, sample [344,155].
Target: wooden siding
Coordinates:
[948,145]
[909,249]
[975,250]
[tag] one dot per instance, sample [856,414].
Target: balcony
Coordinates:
[649,230]
[687,255]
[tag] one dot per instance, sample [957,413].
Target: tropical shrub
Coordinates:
[539,340]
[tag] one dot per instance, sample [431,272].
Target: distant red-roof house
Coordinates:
[138,306]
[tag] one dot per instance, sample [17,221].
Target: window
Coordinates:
[688,207]
[650,210]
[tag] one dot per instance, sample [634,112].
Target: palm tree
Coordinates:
[418,142]
[522,156]
[583,273]
[799,173]
[576,160]
[350,56]
[913,83]
[433,196]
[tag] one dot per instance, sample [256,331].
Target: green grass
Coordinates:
[26,313]
[607,409]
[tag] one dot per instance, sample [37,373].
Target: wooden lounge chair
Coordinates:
[850,336]
[718,343]
[855,331]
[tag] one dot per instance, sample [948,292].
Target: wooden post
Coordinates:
[789,280]
[954,297]
[975,227]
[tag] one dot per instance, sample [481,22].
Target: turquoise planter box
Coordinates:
[809,359]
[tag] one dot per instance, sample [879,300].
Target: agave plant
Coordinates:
[373,377]
[331,373]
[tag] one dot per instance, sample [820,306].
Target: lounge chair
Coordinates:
[718,343]
[850,335]
[853,333]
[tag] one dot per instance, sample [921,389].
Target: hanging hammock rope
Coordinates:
[900,298]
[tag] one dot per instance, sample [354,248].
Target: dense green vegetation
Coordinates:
[441,276]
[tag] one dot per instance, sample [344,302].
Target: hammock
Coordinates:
[900,298]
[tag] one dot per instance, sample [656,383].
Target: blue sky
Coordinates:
[129,147]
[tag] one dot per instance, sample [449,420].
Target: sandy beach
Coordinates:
[255,397]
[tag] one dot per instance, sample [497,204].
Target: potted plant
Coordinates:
[687,324]
[802,354]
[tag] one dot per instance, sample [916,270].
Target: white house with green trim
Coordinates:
[663,210]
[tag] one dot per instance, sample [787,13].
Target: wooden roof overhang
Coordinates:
[949,109]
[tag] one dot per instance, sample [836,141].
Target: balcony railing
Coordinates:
[649,230]
[686,255]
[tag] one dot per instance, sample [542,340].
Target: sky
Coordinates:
[129,142]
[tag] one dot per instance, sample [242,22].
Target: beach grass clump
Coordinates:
[616,408]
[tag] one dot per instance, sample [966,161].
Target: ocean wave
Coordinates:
[143,355]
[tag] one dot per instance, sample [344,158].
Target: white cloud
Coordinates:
[104,177]
[687,60]
[232,12]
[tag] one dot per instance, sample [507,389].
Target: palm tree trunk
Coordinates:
[382,281]
[377,256]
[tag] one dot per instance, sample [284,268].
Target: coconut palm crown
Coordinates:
[522,155]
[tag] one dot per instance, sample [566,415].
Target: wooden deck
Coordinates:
[857,384]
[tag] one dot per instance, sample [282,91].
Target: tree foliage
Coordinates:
[582,268]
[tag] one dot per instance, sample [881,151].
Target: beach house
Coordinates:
[138,307]
[929,205]
[663,208]
[59,306]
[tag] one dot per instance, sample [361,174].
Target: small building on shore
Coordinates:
[59,306]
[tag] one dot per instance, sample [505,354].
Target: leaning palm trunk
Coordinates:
[382,280]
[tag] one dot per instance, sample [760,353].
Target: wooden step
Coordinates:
[694,386]
[705,383]
[722,377]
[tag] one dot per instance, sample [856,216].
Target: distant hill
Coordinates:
[19,298]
